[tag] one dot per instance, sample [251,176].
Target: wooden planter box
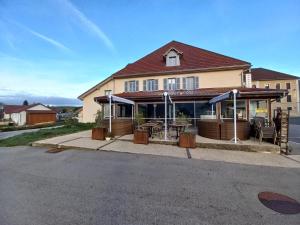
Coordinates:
[141,137]
[187,140]
[99,133]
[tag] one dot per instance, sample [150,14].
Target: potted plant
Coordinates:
[140,136]
[187,140]
[99,131]
[109,136]
[139,120]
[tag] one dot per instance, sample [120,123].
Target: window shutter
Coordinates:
[184,83]
[156,85]
[136,85]
[196,82]
[126,86]
[165,84]
[144,85]
[177,83]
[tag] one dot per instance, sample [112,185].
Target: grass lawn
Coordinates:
[27,138]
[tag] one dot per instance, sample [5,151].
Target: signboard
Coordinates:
[261,110]
[248,78]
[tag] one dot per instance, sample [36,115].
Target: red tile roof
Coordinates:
[8,109]
[203,93]
[266,74]
[192,59]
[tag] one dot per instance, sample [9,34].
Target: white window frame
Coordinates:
[171,84]
[107,92]
[192,83]
[132,86]
[150,85]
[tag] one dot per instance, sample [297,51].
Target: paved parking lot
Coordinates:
[99,187]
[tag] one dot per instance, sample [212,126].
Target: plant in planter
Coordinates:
[187,140]
[99,131]
[139,120]
[109,136]
[140,136]
[182,119]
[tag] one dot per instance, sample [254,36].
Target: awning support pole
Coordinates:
[234,111]
[110,113]
[166,121]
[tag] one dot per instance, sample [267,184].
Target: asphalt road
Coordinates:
[95,187]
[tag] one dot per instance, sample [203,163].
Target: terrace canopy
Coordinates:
[223,97]
[112,98]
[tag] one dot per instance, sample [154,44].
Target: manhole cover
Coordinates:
[55,150]
[279,203]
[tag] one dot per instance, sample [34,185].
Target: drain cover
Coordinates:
[279,203]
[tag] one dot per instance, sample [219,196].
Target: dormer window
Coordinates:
[172,57]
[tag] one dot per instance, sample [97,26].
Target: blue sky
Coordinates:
[62,48]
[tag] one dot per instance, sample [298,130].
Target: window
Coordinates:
[190,83]
[277,86]
[288,85]
[227,109]
[131,86]
[267,86]
[171,83]
[289,108]
[258,108]
[107,92]
[289,98]
[124,110]
[172,58]
[172,61]
[106,110]
[150,85]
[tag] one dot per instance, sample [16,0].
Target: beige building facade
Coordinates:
[276,80]
[216,79]
[191,75]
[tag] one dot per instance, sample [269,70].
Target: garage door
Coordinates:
[40,117]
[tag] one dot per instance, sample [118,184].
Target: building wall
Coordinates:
[231,78]
[6,116]
[19,118]
[90,107]
[293,91]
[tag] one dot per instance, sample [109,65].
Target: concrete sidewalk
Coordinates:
[82,140]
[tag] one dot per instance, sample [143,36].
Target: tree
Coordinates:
[25,102]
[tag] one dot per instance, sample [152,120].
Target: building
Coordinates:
[191,75]
[265,78]
[29,114]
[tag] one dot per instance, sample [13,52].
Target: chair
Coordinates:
[264,129]
[157,130]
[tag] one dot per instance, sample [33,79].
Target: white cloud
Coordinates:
[43,37]
[88,24]
[49,40]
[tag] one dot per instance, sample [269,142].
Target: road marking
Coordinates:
[188,153]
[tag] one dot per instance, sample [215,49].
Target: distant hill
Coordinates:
[52,101]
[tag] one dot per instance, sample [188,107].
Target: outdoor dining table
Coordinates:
[179,128]
[149,126]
